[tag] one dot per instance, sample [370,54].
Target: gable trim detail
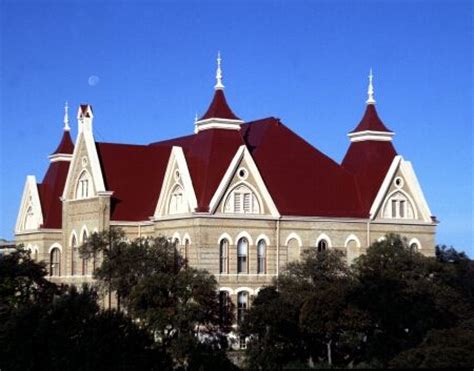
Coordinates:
[222,190]
[31,188]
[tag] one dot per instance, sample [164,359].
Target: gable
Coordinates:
[177,192]
[242,189]
[30,215]
[400,197]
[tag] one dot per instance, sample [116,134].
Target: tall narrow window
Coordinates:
[261,256]
[55,262]
[394,208]
[224,256]
[83,186]
[402,208]
[242,249]
[322,245]
[85,261]
[186,249]
[242,305]
[224,307]
[74,255]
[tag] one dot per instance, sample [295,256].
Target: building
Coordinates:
[241,199]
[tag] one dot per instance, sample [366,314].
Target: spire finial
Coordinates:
[219,85]
[66,117]
[196,118]
[370,90]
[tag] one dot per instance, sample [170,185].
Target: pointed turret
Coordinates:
[219,115]
[371,151]
[371,126]
[66,147]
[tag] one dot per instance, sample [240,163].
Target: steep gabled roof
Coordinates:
[301,180]
[371,121]
[66,146]
[50,191]
[219,108]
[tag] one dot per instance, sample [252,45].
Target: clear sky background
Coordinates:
[303,61]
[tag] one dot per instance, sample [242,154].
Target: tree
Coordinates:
[177,303]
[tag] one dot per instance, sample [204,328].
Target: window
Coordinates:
[242,342]
[55,262]
[261,256]
[414,247]
[224,306]
[399,207]
[186,248]
[242,305]
[83,186]
[242,248]
[74,255]
[293,250]
[322,245]
[224,256]
[242,200]
[29,219]
[85,261]
[177,203]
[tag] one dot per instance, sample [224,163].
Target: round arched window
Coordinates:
[322,245]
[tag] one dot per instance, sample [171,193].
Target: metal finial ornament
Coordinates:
[66,117]
[370,90]
[219,84]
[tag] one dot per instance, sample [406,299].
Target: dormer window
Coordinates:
[242,201]
[84,186]
[177,204]
[399,207]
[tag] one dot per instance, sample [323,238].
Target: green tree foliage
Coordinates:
[65,328]
[393,307]
[178,304]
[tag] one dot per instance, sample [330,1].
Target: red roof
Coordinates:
[219,108]
[369,160]
[50,190]
[371,121]
[66,146]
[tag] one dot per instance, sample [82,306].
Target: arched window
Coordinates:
[293,250]
[322,245]
[399,207]
[55,262]
[242,200]
[29,222]
[224,306]
[224,256]
[85,261]
[242,251]
[84,186]
[242,305]
[414,247]
[74,255]
[177,204]
[186,248]
[261,256]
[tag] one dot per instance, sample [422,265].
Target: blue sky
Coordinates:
[303,61]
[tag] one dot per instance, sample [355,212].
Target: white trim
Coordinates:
[291,236]
[217,123]
[73,234]
[227,289]
[248,289]
[176,159]
[81,236]
[360,136]
[246,235]
[409,198]
[414,186]
[325,237]
[30,189]
[226,236]
[186,237]
[384,187]
[352,237]
[53,246]
[415,240]
[263,237]
[243,154]
[60,157]
[96,171]
[176,237]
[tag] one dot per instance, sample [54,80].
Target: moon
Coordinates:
[93,80]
